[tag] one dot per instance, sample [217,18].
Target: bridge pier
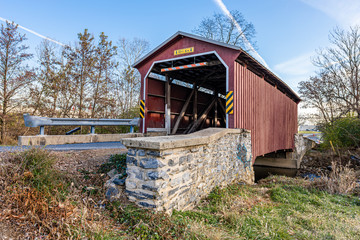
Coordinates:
[279,159]
[287,158]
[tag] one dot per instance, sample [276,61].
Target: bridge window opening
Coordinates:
[186,95]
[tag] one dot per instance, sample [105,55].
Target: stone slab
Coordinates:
[202,137]
[69,139]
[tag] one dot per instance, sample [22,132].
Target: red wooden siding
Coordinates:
[267,112]
[156,105]
[167,52]
[258,106]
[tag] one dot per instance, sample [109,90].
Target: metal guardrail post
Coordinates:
[132,129]
[92,130]
[42,130]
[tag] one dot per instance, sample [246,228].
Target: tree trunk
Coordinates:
[3,130]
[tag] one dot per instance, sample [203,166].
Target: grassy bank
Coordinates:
[39,200]
[277,208]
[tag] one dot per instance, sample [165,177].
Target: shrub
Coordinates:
[116,161]
[37,167]
[341,180]
[344,132]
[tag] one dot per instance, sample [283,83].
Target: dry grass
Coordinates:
[210,232]
[341,180]
[39,201]
[43,195]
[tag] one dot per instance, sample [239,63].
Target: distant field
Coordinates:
[307,132]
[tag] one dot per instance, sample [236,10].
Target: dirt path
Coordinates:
[88,160]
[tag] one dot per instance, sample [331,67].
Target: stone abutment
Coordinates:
[175,172]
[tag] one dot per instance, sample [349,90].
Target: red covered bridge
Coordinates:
[185,82]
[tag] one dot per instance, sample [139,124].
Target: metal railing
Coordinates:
[34,121]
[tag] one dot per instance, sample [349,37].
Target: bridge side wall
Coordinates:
[262,108]
[176,177]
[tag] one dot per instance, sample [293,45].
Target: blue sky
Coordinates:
[288,31]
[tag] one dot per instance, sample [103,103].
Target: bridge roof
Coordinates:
[243,56]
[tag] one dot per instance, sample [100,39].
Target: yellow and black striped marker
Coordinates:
[230,102]
[142,108]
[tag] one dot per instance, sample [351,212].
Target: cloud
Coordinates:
[224,9]
[296,69]
[33,32]
[345,12]
[299,65]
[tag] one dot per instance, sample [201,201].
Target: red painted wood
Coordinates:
[167,52]
[258,106]
[268,113]
[156,105]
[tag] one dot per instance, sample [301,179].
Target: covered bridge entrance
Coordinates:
[185,82]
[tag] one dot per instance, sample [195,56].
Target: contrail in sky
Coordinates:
[35,33]
[246,42]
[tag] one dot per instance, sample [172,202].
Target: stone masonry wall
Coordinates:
[177,178]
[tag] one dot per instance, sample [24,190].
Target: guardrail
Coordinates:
[34,121]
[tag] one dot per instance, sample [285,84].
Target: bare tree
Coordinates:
[221,28]
[336,90]
[14,74]
[128,82]
[67,91]
[105,65]
[318,93]
[80,62]
[44,95]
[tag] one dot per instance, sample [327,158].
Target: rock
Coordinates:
[134,173]
[112,173]
[141,152]
[310,176]
[140,195]
[171,163]
[158,175]
[112,193]
[150,188]
[131,160]
[182,159]
[150,163]
[130,184]
[153,175]
[131,152]
[118,181]
[147,205]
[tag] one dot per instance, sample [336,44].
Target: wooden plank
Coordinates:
[223,111]
[167,105]
[195,104]
[223,117]
[215,110]
[183,110]
[221,105]
[203,116]
[186,104]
